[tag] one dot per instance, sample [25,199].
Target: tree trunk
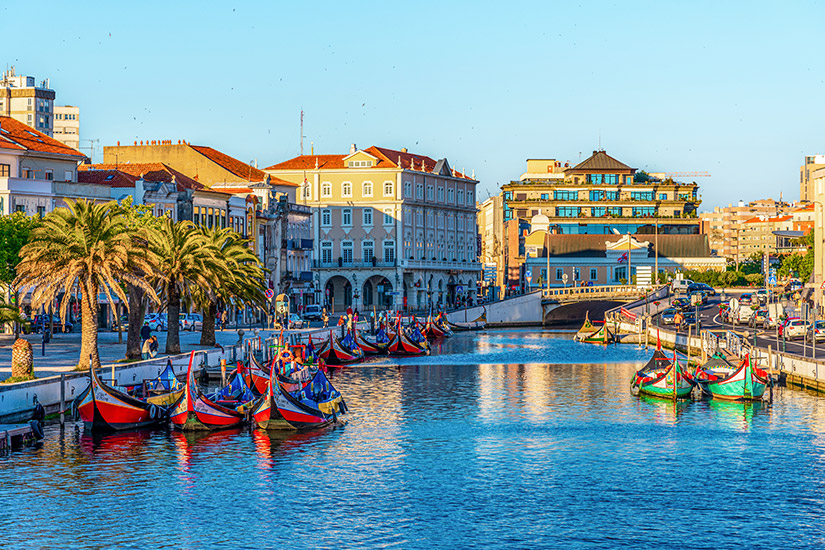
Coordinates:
[208,330]
[173,330]
[88,340]
[137,309]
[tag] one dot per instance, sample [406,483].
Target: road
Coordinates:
[709,319]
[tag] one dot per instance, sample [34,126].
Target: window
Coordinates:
[367,251]
[577,274]
[326,189]
[389,251]
[646,211]
[20,208]
[407,216]
[615,211]
[597,195]
[407,190]
[568,211]
[598,211]
[430,193]
[419,218]
[346,252]
[306,190]
[559,273]
[5,170]
[49,175]
[346,217]
[451,195]
[641,195]
[28,173]
[366,189]
[469,198]
[367,217]
[419,190]
[429,218]
[346,189]
[662,196]
[460,196]
[440,194]
[440,220]
[450,221]
[388,220]
[41,211]
[565,195]
[594,274]
[460,223]
[546,196]
[388,189]
[359,163]
[326,217]
[326,252]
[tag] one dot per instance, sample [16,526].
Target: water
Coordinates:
[507,439]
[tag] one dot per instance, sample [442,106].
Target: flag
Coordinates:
[622,258]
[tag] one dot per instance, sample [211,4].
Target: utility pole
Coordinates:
[302,132]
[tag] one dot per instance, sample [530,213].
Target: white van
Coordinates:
[680,285]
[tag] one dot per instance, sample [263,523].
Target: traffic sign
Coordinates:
[772,280]
[529,273]
[564,278]
[734,304]
[459,289]
[269,293]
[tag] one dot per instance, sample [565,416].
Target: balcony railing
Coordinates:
[356,263]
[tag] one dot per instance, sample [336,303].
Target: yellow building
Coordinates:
[392,228]
[490,223]
[806,180]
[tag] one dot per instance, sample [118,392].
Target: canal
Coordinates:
[503,439]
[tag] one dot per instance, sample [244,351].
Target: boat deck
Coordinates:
[11,434]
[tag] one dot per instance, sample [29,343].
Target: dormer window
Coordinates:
[359,163]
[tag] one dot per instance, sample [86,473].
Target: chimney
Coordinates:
[352,149]
[403,149]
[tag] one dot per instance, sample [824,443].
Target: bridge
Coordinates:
[552,306]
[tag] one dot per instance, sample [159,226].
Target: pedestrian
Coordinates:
[325,318]
[153,346]
[145,331]
[146,349]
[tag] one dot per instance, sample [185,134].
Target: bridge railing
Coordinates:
[592,291]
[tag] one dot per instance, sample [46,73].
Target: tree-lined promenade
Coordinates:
[90,249]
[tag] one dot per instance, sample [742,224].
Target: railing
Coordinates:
[354,264]
[592,291]
[441,264]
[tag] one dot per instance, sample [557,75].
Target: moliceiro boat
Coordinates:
[340,351]
[369,348]
[103,407]
[662,377]
[224,409]
[722,380]
[402,344]
[594,333]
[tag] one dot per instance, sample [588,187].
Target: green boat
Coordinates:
[594,334]
[723,380]
[662,377]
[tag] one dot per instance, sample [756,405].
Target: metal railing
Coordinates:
[593,291]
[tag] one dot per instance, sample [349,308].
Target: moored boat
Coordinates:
[315,405]
[369,348]
[103,407]
[340,351]
[662,377]
[225,409]
[402,344]
[594,333]
[722,380]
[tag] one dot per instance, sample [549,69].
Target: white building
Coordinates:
[23,100]
[67,125]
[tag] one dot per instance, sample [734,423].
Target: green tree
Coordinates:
[14,233]
[84,247]
[187,264]
[240,280]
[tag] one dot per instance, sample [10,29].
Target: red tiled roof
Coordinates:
[16,135]
[387,158]
[151,171]
[240,169]
[112,178]
[232,190]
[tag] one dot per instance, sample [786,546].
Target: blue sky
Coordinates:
[732,88]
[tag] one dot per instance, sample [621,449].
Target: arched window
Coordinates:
[346,189]
[326,189]
[366,189]
[388,189]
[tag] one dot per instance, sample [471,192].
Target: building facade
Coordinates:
[67,125]
[724,225]
[490,224]
[393,229]
[806,180]
[600,195]
[22,99]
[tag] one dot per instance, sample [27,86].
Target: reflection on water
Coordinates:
[509,439]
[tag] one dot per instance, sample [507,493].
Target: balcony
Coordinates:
[441,264]
[299,244]
[356,263]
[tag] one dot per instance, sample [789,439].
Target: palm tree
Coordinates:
[85,246]
[241,280]
[187,263]
[10,314]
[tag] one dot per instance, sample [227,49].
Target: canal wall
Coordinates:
[519,311]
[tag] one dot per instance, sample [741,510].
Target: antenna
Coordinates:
[302,132]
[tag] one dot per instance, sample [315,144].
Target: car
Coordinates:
[744,313]
[668,316]
[295,321]
[191,321]
[816,331]
[680,285]
[41,322]
[763,295]
[746,299]
[795,285]
[313,313]
[124,324]
[690,318]
[681,304]
[758,318]
[156,321]
[795,328]
[704,287]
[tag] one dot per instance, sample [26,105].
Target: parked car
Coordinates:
[746,299]
[124,324]
[816,331]
[758,317]
[156,321]
[763,295]
[795,328]
[41,322]
[313,313]
[744,313]
[680,285]
[668,315]
[703,296]
[690,318]
[704,287]
[795,285]
[680,303]
[191,321]
[295,321]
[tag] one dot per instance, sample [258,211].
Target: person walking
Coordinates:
[146,349]
[325,318]
[145,332]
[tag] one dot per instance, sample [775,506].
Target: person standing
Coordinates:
[145,332]
[325,318]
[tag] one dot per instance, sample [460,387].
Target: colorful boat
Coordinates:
[165,389]
[662,377]
[591,333]
[340,351]
[401,344]
[315,405]
[102,407]
[225,409]
[722,380]
[369,348]
[255,375]
[434,331]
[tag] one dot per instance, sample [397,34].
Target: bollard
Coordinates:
[223,372]
[62,399]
